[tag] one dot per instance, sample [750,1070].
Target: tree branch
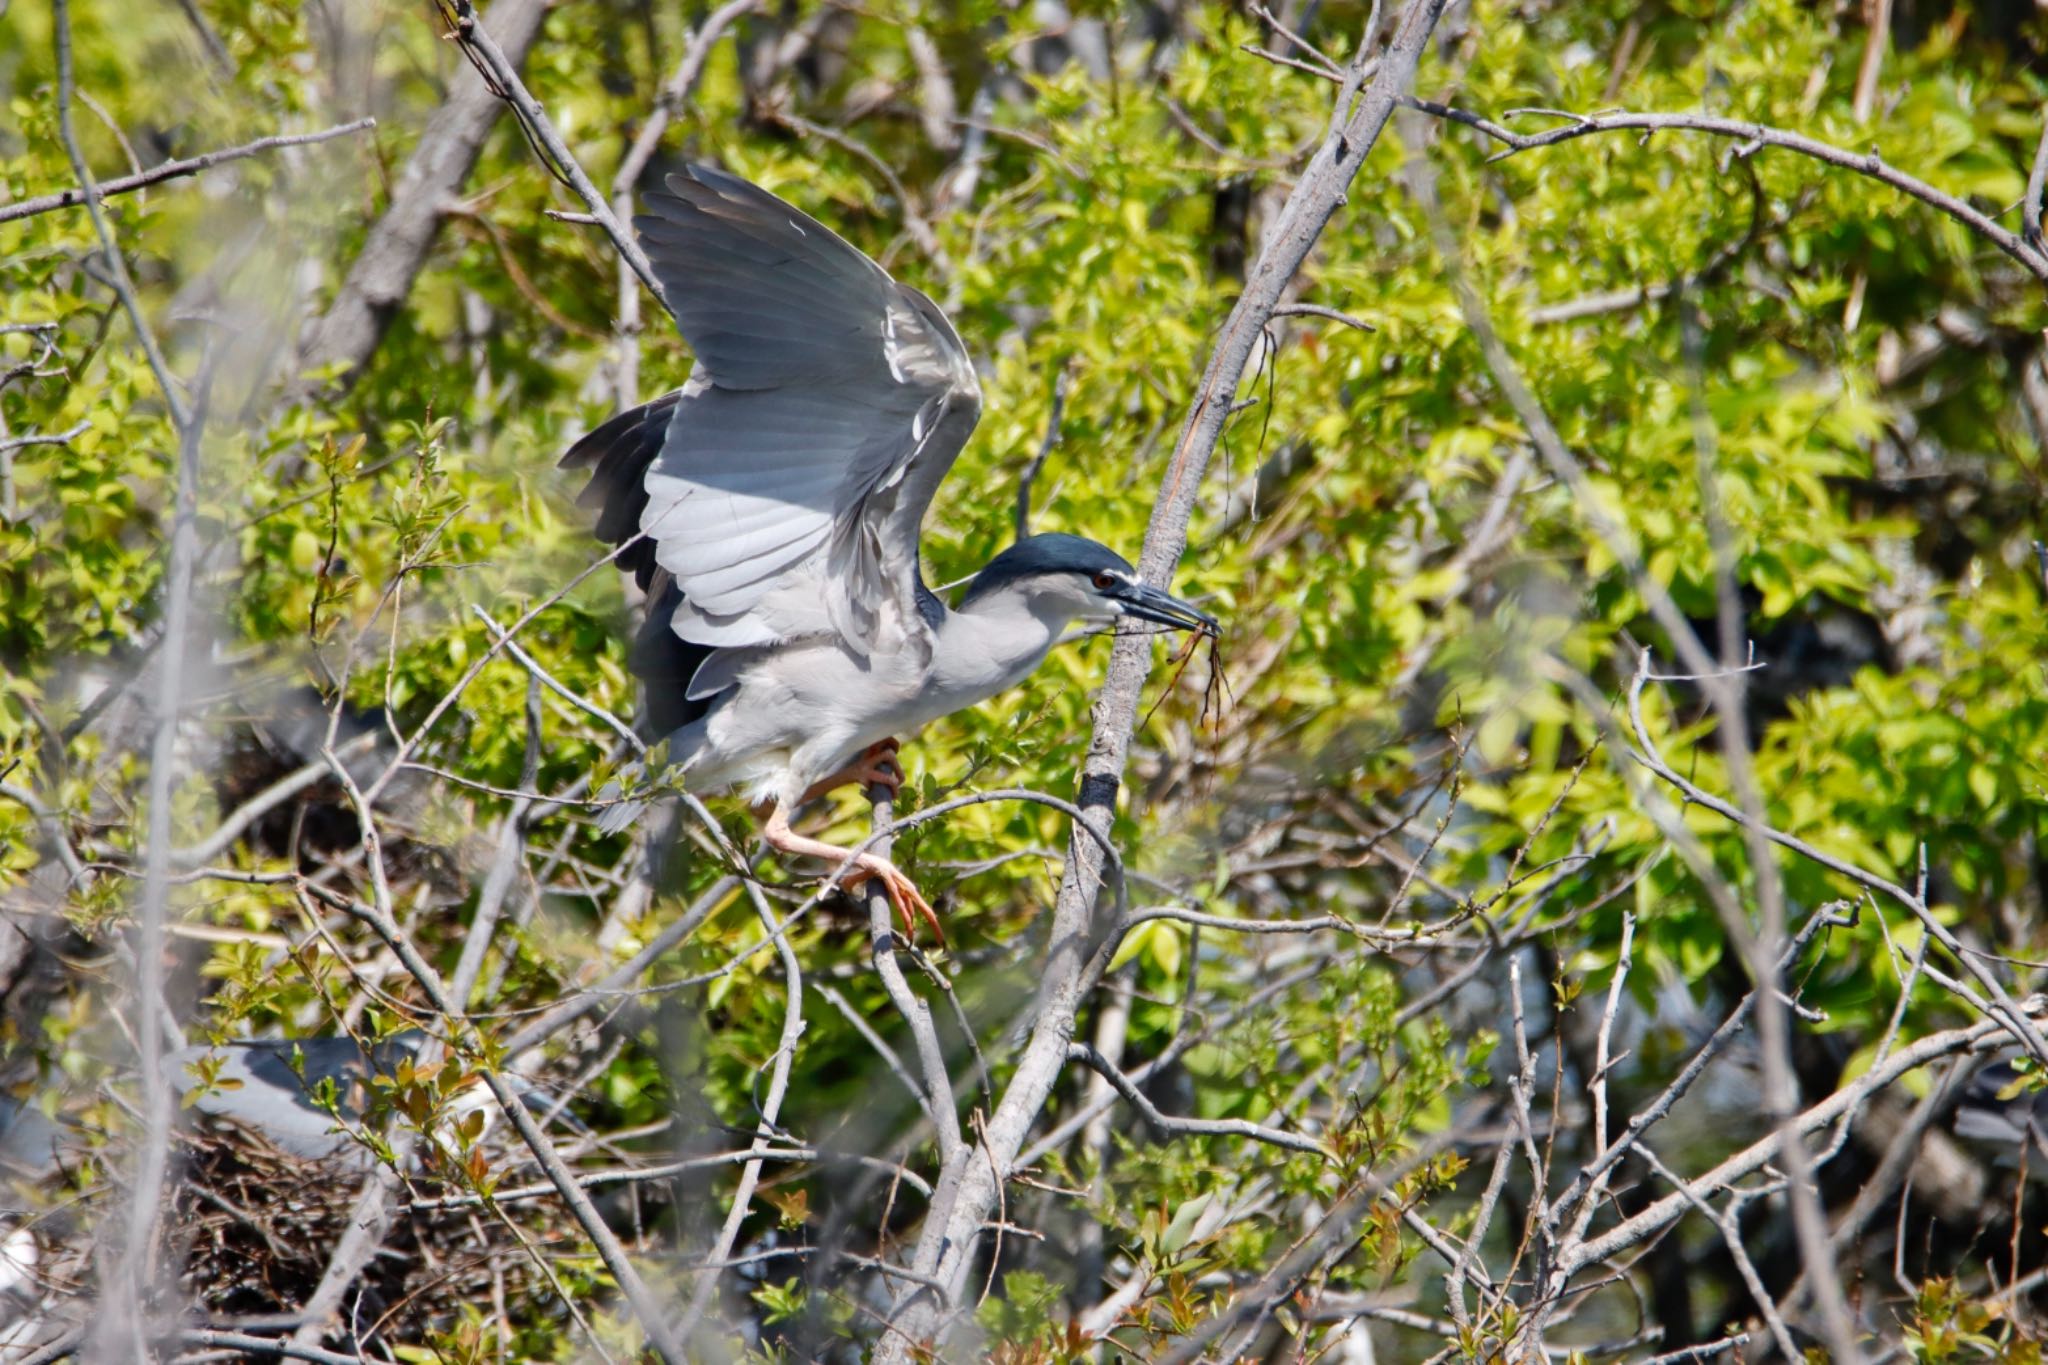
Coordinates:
[501,73]
[1187,1127]
[646,1308]
[346,336]
[172,170]
[1987,1035]
[2001,1004]
[1751,137]
[126,1329]
[47,438]
[626,368]
[771,1110]
[951,1227]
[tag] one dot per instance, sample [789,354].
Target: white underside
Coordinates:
[802,711]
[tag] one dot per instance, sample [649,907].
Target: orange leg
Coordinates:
[877,766]
[867,867]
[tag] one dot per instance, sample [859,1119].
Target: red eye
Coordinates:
[1105,580]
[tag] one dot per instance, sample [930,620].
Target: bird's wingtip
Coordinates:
[695,179]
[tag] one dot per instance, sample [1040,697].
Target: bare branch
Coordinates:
[502,73]
[914,222]
[1725,1223]
[1758,947]
[938,108]
[1704,1352]
[52,825]
[346,336]
[262,803]
[53,438]
[1187,1127]
[674,93]
[881,1047]
[771,1110]
[554,685]
[172,170]
[2037,186]
[1750,136]
[646,1308]
[250,1344]
[2002,1005]
[1877,18]
[126,1329]
[1316,310]
[582,1002]
[1060,384]
[1602,1062]
[670,1170]
[1984,1036]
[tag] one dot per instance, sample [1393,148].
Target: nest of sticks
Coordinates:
[256,1229]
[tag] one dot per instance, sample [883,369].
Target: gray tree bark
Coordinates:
[377,284]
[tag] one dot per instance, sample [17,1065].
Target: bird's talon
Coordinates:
[904,895]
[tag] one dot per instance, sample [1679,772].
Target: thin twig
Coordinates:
[1877,18]
[1058,406]
[51,438]
[172,170]
[1731,1240]
[1317,310]
[914,221]
[2002,1004]
[646,1308]
[771,1111]
[2037,186]
[1984,1036]
[1187,1127]
[238,821]
[671,98]
[503,75]
[548,680]
[1751,136]
[126,1330]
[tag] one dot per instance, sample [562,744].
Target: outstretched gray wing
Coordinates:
[827,403]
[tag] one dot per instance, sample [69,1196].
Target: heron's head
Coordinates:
[1081,579]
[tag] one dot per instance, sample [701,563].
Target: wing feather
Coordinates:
[786,491]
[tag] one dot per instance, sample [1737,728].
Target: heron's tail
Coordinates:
[642,782]
[614,819]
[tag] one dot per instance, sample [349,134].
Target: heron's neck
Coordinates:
[994,642]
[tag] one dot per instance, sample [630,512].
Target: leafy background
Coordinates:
[1419,620]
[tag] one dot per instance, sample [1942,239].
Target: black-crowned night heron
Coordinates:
[304,1095]
[301,1095]
[2000,1109]
[790,635]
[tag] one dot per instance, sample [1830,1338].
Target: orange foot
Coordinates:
[903,893]
[866,867]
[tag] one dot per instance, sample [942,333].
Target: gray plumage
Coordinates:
[271,1087]
[780,494]
[1987,1113]
[274,1088]
[32,1146]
